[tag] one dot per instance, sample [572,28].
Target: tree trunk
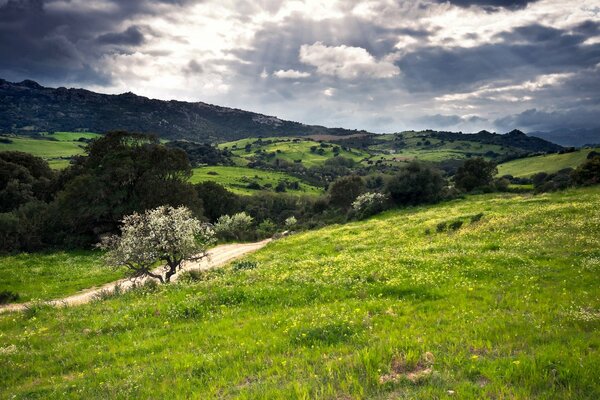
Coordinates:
[155,276]
[172,270]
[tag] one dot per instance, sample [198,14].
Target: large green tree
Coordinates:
[475,173]
[415,184]
[123,173]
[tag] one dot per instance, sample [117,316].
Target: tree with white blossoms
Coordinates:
[164,234]
[368,204]
[233,227]
[291,222]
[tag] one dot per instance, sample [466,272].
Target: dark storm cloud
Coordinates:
[539,120]
[524,52]
[490,4]
[40,39]
[132,36]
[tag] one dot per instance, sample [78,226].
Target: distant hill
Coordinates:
[29,107]
[549,163]
[571,137]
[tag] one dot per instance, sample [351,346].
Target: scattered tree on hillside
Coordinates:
[368,204]
[122,174]
[233,227]
[588,173]
[345,190]
[216,200]
[167,234]
[415,184]
[474,174]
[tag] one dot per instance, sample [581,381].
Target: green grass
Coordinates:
[237,179]
[57,152]
[48,276]
[549,163]
[507,308]
[415,147]
[72,136]
[46,149]
[286,148]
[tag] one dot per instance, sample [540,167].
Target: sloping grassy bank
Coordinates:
[505,306]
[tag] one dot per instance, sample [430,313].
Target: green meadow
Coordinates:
[426,148]
[46,276]
[291,149]
[56,148]
[549,163]
[504,305]
[237,179]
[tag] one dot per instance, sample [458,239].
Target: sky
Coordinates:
[378,65]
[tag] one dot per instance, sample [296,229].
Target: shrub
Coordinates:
[291,222]
[474,174]
[6,296]
[266,228]
[588,173]
[455,225]
[416,184]
[244,265]
[476,218]
[233,227]
[345,190]
[560,180]
[441,227]
[368,204]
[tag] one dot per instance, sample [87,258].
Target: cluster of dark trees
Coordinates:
[202,153]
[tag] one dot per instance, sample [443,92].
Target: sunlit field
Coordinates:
[409,304]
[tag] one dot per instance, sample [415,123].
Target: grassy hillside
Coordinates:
[56,149]
[290,149]
[424,146]
[238,179]
[48,276]
[525,167]
[507,306]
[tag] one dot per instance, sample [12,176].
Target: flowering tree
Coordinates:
[166,234]
[234,226]
[368,204]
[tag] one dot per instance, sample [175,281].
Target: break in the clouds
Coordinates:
[380,65]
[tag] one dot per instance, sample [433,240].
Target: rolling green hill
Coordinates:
[549,163]
[290,149]
[239,180]
[507,306]
[439,146]
[56,148]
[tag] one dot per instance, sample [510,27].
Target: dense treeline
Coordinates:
[123,173]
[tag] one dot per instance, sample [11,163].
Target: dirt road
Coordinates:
[218,256]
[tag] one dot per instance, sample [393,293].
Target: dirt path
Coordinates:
[218,256]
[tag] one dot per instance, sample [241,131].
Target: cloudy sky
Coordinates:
[380,65]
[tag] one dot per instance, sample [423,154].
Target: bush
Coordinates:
[369,204]
[233,227]
[217,200]
[291,222]
[455,225]
[476,218]
[560,180]
[474,174]
[266,228]
[345,190]
[244,265]
[416,184]
[6,296]
[588,173]
[441,227]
